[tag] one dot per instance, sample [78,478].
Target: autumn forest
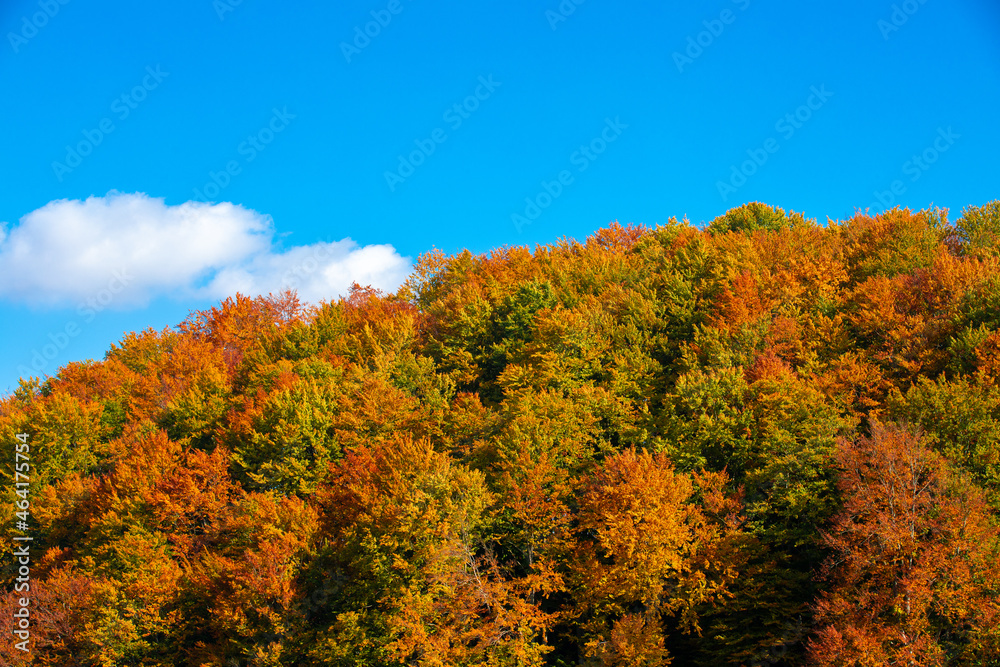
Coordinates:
[765,440]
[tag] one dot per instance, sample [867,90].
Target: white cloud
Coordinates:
[319,271]
[69,250]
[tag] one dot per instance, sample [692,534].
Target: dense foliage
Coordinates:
[764,442]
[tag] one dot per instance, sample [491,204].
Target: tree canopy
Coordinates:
[767,441]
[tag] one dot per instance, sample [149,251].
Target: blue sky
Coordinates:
[159,156]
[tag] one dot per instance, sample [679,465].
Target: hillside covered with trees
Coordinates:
[765,442]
